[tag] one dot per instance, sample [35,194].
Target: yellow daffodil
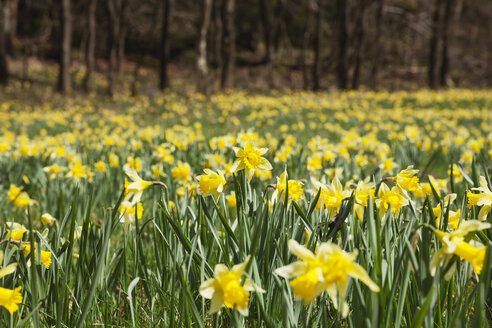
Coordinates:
[46,218]
[134,163]
[53,171]
[127,212]
[295,188]
[45,255]
[17,229]
[407,180]
[362,192]
[454,217]
[394,197]
[331,195]
[9,298]
[326,270]
[225,288]
[137,186]
[454,243]
[157,171]
[182,172]
[100,166]
[250,159]
[14,192]
[483,199]
[211,183]
[231,199]
[113,160]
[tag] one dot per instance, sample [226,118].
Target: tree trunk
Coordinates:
[265,26]
[112,41]
[376,45]
[116,10]
[65,43]
[342,73]
[12,7]
[4,72]
[228,45]
[217,35]
[446,27]
[120,58]
[359,40]
[433,47]
[306,37]
[317,46]
[90,46]
[203,84]
[164,51]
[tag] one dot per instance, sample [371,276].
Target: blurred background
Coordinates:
[109,46]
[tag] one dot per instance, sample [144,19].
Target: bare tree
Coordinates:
[446,31]
[433,47]
[317,45]
[265,27]
[10,24]
[228,44]
[90,46]
[202,49]
[164,49]
[65,43]
[376,45]
[4,72]
[359,41]
[116,10]
[342,73]
[217,34]
[306,38]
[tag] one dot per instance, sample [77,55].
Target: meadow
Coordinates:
[279,209]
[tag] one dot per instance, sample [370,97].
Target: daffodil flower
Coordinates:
[127,212]
[407,180]
[225,288]
[295,188]
[182,172]
[137,186]
[395,197]
[250,160]
[9,298]
[362,192]
[331,195]
[483,199]
[326,270]
[454,217]
[17,230]
[211,183]
[454,243]
[46,218]
[45,255]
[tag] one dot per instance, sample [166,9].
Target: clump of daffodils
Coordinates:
[226,289]
[328,269]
